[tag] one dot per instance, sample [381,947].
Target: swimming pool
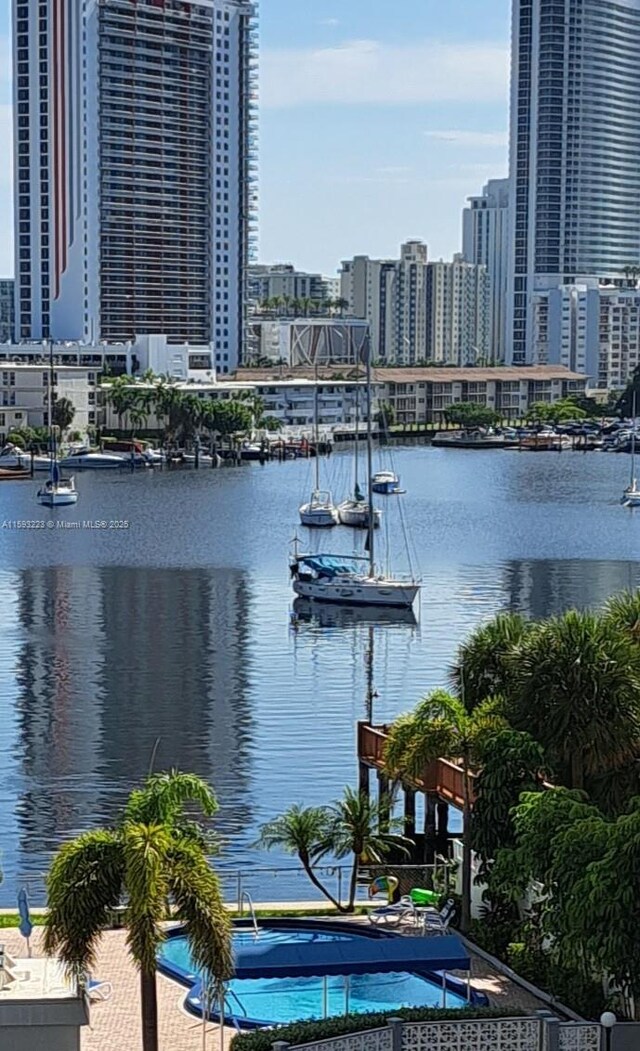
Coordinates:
[260,1001]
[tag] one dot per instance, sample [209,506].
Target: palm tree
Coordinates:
[440,727]
[623,611]
[341,305]
[577,691]
[63,414]
[304,833]
[121,396]
[483,668]
[152,856]
[360,828]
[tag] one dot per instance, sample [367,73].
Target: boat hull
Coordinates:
[318,518]
[57,499]
[100,463]
[631,500]
[383,594]
[357,516]
[386,488]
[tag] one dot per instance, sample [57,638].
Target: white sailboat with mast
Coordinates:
[57,491]
[320,512]
[348,580]
[354,512]
[631,495]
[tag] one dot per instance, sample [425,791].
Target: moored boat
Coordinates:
[84,459]
[386,482]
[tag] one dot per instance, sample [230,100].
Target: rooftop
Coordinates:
[419,374]
[35,979]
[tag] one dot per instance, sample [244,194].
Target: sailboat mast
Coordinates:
[370,521]
[357,457]
[633,442]
[316,434]
[52,435]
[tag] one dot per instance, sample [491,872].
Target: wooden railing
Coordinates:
[442,777]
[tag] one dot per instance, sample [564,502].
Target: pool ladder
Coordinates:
[245,896]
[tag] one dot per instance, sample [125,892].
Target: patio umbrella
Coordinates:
[26,926]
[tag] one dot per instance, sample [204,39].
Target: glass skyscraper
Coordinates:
[575,149]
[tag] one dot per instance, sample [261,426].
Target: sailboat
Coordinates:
[348,580]
[355,511]
[57,491]
[320,512]
[631,495]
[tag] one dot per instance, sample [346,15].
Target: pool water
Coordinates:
[275,1001]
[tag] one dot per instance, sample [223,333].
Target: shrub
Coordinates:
[327,1028]
[568,985]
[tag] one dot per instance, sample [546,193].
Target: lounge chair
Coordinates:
[393,915]
[433,922]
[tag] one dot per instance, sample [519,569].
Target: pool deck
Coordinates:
[115,1024]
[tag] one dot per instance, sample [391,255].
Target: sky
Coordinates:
[378,118]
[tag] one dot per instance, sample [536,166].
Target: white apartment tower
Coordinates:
[574,150]
[134,169]
[391,295]
[485,241]
[458,313]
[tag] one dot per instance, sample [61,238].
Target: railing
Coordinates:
[441,777]
[540,1033]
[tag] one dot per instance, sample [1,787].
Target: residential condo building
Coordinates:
[282,281]
[485,241]
[457,313]
[134,169]
[574,150]
[7,311]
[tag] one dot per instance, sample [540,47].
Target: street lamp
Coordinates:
[607,1021]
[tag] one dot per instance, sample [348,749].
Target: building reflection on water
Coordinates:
[118,666]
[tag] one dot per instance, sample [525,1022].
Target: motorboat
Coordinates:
[58,493]
[320,512]
[204,459]
[349,581]
[386,482]
[14,458]
[134,452]
[355,513]
[84,459]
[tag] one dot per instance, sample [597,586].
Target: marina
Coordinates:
[242,683]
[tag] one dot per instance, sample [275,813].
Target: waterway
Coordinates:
[172,636]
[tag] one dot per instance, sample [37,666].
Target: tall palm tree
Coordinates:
[577,691]
[361,828]
[302,832]
[152,856]
[483,668]
[440,727]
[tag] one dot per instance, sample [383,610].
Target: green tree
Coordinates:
[362,829]
[152,856]
[120,394]
[555,412]
[511,763]
[441,728]
[469,415]
[623,611]
[630,396]
[385,416]
[63,414]
[353,827]
[577,691]
[484,668]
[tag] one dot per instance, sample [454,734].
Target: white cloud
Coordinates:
[367,71]
[329,22]
[471,138]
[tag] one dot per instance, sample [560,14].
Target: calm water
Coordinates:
[178,629]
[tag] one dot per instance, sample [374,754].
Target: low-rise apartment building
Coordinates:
[423,395]
[24,395]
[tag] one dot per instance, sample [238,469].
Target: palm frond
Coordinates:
[145,849]
[84,885]
[164,796]
[300,831]
[196,892]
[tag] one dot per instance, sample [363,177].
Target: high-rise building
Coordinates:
[575,149]
[485,241]
[391,295]
[591,327]
[134,188]
[457,313]
[7,311]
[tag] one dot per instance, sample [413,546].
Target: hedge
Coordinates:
[327,1028]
